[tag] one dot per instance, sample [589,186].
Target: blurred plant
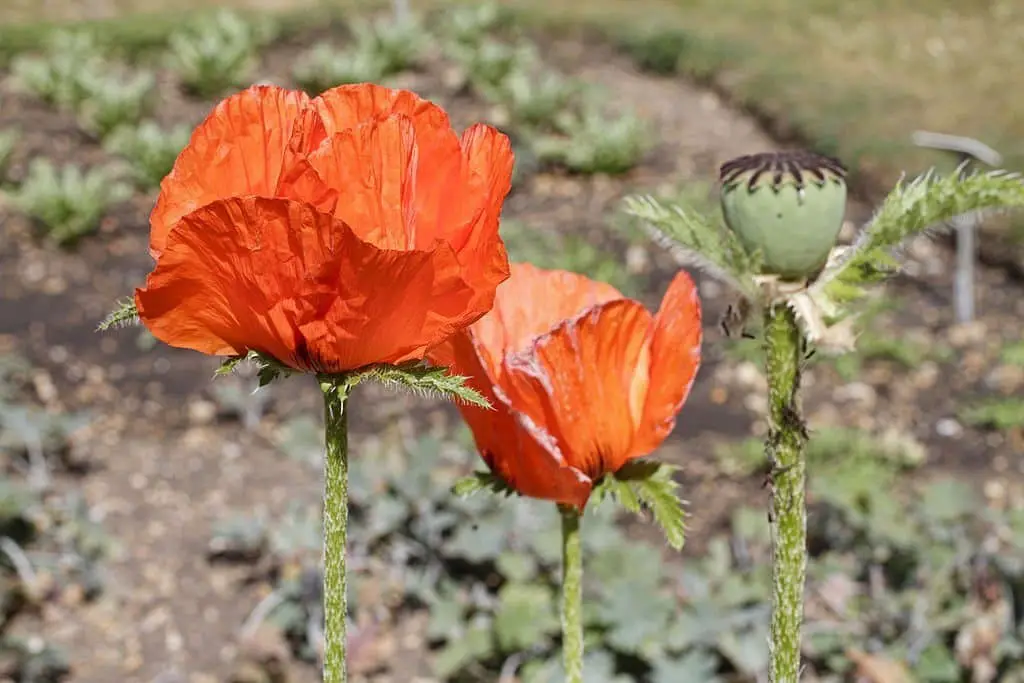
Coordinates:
[149,149]
[67,201]
[537,99]
[50,549]
[485,66]
[324,66]
[39,438]
[32,660]
[470,25]
[8,139]
[399,44]
[218,51]
[1013,354]
[239,395]
[60,74]
[567,251]
[380,48]
[594,143]
[783,212]
[114,99]
[1001,414]
[658,51]
[890,450]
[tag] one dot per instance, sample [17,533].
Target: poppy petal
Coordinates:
[523,456]
[488,161]
[347,106]
[534,301]
[675,346]
[371,166]
[277,276]
[239,149]
[574,383]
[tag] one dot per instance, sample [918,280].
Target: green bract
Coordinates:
[788,205]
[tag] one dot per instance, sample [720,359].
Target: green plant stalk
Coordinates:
[572,595]
[335,528]
[785,449]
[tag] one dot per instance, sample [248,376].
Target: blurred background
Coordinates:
[157,526]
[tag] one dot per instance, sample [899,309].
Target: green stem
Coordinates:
[572,595]
[335,529]
[784,448]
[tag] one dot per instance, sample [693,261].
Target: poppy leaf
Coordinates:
[651,484]
[229,365]
[697,242]
[481,481]
[125,315]
[424,380]
[919,207]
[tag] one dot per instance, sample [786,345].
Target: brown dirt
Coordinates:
[166,470]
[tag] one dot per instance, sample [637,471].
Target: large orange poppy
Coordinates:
[582,379]
[330,233]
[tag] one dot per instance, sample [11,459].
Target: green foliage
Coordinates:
[488,64]
[912,209]
[473,24]
[485,567]
[399,45]
[1013,354]
[593,142]
[67,201]
[538,99]
[1002,414]
[696,241]
[658,51]
[49,541]
[422,380]
[61,73]
[380,48]
[8,140]
[149,149]
[891,451]
[557,250]
[324,66]
[217,52]
[874,344]
[125,315]
[647,485]
[73,73]
[113,100]
[32,660]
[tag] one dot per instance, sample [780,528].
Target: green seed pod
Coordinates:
[790,205]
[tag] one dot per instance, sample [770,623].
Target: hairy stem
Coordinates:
[784,448]
[335,529]
[572,595]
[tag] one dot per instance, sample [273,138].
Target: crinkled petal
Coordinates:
[534,301]
[675,349]
[348,106]
[574,384]
[239,149]
[524,457]
[279,277]
[371,167]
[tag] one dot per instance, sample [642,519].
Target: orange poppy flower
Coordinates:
[582,379]
[329,233]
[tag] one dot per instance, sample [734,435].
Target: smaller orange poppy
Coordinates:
[330,233]
[582,379]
